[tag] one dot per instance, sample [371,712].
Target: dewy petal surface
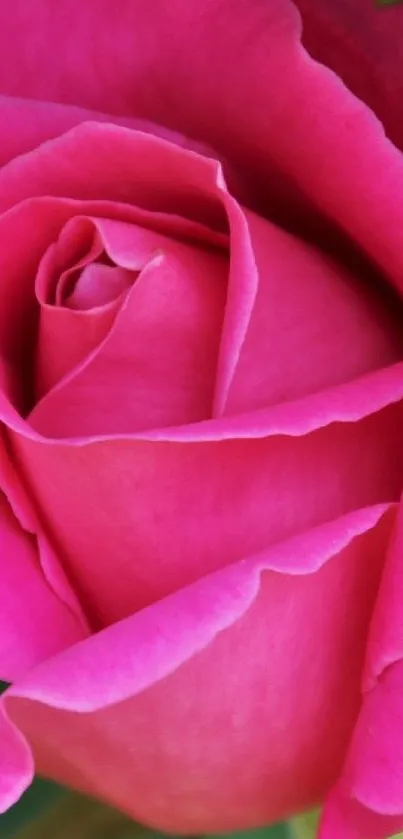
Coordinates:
[176,669]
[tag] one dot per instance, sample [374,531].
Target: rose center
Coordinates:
[97,284]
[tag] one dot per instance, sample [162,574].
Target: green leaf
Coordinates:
[305,826]
[38,798]
[277,831]
[47,811]
[73,815]
[387,3]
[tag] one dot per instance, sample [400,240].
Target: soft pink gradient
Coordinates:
[201,384]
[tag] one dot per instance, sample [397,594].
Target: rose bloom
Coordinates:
[201,385]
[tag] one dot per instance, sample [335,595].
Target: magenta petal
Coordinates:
[17,765]
[47,617]
[36,625]
[369,795]
[110,163]
[25,124]
[162,177]
[368,799]
[176,669]
[374,768]
[162,348]
[289,116]
[345,817]
[314,324]
[99,285]
[364,48]
[385,646]
[127,485]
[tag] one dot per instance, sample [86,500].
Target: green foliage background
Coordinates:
[47,811]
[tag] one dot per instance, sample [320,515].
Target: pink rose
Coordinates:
[201,366]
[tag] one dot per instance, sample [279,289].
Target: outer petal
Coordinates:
[362,44]
[305,134]
[40,614]
[208,671]
[106,162]
[17,765]
[26,123]
[34,622]
[136,520]
[369,795]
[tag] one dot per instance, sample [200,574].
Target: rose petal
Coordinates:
[314,323]
[99,285]
[305,133]
[361,44]
[368,800]
[54,355]
[163,177]
[25,620]
[162,349]
[111,163]
[369,794]
[66,332]
[17,765]
[213,501]
[15,492]
[77,245]
[173,670]
[346,817]
[27,123]
[385,645]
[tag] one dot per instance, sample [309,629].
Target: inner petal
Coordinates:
[316,323]
[77,246]
[79,290]
[164,343]
[99,284]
